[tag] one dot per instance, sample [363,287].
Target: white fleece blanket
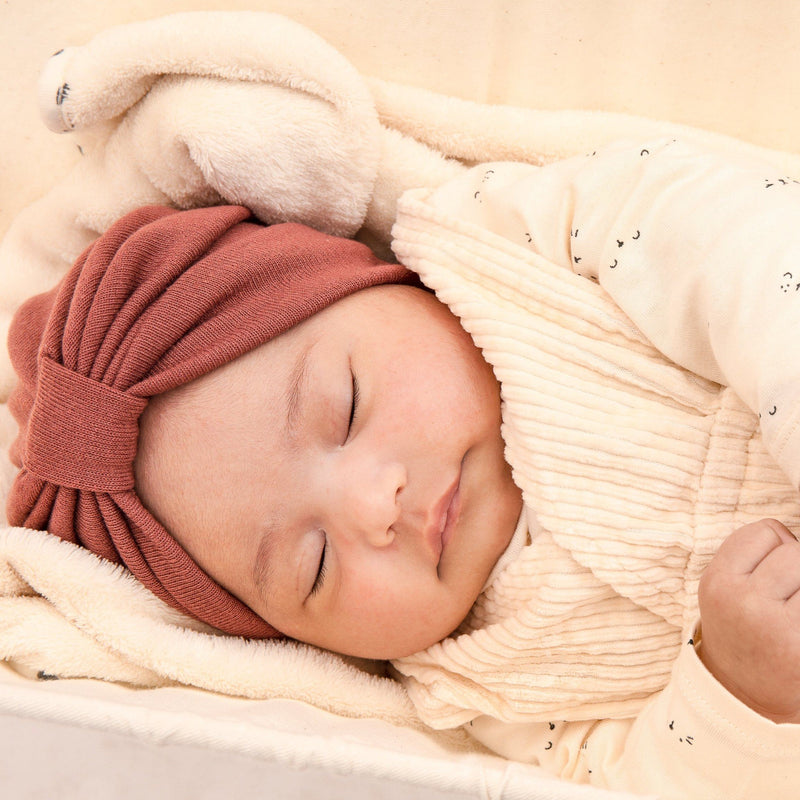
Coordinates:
[197,109]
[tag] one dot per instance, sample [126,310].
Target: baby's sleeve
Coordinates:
[692,741]
[702,253]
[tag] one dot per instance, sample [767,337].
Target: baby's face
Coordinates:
[345,480]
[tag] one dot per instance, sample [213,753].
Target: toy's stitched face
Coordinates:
[347,479]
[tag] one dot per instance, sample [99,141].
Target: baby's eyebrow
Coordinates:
[295,391]
[263,571]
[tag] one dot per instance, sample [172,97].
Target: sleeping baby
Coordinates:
[510,488]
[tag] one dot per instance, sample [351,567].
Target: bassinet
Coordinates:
[726,67]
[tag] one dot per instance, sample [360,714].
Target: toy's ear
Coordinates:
[210,107]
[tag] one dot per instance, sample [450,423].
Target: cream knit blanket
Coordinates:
[202,108]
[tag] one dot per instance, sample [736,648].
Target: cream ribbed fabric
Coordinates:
[635,468]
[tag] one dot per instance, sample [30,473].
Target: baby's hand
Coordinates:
[750,609]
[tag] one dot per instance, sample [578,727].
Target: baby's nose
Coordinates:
[371,502]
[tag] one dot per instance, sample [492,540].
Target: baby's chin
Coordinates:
[469,591]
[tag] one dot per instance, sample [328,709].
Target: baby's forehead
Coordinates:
[374,315]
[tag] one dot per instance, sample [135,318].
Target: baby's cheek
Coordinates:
[384,597]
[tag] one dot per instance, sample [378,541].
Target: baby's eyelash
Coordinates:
[354,403]
[319,580]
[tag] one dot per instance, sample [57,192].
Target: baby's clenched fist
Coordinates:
[750,610]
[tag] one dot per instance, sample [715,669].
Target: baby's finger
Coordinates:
[777,576]
[746,547]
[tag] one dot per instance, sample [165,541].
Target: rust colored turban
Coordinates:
[161,298]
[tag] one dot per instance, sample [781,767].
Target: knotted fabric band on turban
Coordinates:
[161,298]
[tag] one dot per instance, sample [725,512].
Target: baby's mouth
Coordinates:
[444,518]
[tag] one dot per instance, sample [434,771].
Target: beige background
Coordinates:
[727,65]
